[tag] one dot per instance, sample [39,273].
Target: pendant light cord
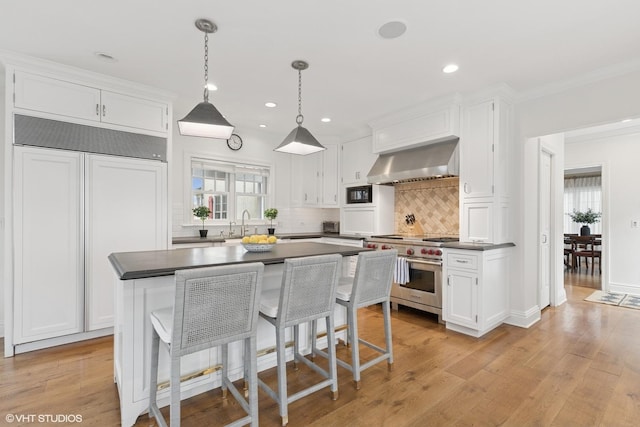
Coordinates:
[206,67]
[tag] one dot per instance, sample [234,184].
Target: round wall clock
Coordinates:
[235,142]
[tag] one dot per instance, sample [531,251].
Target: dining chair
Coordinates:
[585,247]
[307,294]
[213,307]
[370,285]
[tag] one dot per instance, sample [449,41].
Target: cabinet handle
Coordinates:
[97,109]
[104,110]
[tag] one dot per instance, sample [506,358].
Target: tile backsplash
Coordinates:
[434,203]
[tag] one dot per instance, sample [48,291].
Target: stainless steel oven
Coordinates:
[422,288]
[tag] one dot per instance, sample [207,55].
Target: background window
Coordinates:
[229,189]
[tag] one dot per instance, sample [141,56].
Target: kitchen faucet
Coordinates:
[243,231]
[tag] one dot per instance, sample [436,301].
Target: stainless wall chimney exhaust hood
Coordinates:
[427,162]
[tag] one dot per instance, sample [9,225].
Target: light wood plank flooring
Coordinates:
[578,366]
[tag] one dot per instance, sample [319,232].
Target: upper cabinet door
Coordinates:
[357,159]
[124,110]
[39,93]
[476,151]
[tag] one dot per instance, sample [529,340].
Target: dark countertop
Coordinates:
[138,265]
[477,246]
[292,236]
[197,239]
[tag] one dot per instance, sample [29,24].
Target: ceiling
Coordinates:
[354,75]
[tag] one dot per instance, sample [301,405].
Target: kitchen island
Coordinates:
[144,282]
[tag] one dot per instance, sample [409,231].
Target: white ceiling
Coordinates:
[354,75]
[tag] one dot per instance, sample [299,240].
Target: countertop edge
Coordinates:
[477,246]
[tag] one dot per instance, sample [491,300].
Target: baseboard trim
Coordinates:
[67,339]
[620,288]
[524,319]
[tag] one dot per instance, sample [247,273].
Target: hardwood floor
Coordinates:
[578,366]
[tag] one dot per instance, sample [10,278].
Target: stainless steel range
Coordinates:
[422,287]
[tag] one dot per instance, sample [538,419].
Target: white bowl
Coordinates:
[258,247]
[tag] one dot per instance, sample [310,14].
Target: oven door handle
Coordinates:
[421,261]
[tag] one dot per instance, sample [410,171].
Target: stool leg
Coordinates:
[352,320]
[251,360]
[225,366]
[331,350]
[174,418]
[153,384]
[282,375]
[296,346]
[386,313]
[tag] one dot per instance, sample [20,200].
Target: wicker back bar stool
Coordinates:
[213,307]
[307,294]
[370,285]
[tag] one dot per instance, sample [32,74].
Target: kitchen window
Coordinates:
[228,189]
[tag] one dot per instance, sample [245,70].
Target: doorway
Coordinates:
[583,192]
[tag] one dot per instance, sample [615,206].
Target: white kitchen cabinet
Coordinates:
[48,267]
[370,218]
[73,100]
[125,211]
[72,210]
[484,201]
[314,178]
[475,289]
[357,160]
[330,176]
[433,122]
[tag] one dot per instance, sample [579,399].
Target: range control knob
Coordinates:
[423,251]
[438,252]
[409,251]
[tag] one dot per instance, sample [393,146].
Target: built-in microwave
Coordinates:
[361,194]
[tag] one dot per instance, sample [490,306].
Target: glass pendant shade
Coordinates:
[300,141]
[206,121]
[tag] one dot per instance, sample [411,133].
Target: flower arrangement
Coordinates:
[587,217]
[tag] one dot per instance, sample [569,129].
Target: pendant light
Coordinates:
[205,120]
[300,141]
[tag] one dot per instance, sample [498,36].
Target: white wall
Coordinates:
[603,98]
[619,156]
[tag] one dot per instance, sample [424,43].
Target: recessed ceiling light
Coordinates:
[263,126]
[212,87]
[451,68]
[270,104]
[392,29]
[325,120]
[105,57]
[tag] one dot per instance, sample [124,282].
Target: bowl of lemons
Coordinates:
[258,243]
